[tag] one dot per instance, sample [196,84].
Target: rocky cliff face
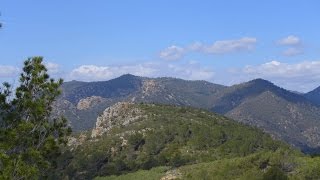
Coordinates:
[90,102]
[150,86]
[120,114]
[61,107]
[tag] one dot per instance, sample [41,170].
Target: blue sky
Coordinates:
[224,42]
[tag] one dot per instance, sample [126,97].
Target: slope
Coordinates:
[129,137]
[82,102]
[286,115]
[258,166]
[314,96]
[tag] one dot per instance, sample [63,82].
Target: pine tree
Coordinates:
[30,137]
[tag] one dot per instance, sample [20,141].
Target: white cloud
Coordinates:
[88,72]
[8,71]
[229,46]
[96,73]
[172,53]
[218,47]
[294,44]
[52,67]
[302,76]
[294,51]
[195,46]
[290,41]
[276,68]
[190,71]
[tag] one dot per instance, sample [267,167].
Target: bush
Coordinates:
[275,173]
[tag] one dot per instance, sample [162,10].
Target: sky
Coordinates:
[221,41]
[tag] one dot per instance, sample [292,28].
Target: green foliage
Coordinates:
[275,173]
[308,168]
[30,138]
[166,136]
[194,143]
[257,166]
[153,174]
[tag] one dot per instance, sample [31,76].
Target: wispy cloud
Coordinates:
[276,68]
[96,73]
[229,46]
[172,53]
[290,41]
[244,44]
[191,71]
[293,51]
[302,76]
[52,67]
[8,71]
[294,45]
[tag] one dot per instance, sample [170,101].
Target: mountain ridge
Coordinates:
[314,96]
[84,102]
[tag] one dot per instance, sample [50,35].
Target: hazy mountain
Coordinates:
[286,115]
[314,96]
[233,96]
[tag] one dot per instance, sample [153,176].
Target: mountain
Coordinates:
[233,96]
[127,84]
[314,96]
[129,136]
[82,102]
[177,142]
[286,115]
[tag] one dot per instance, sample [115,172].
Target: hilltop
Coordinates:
[179,142]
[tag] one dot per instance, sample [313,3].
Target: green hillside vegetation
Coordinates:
[235,95]
[154,173]
[259,166]
[174,137]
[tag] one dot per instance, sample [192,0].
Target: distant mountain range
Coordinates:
[289,116]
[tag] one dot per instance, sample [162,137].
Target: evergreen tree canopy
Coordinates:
[30,137]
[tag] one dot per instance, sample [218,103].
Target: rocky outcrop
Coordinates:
[120,114]
[150,87]
[74,142]
[90,102]
[172,174]
[313,136]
